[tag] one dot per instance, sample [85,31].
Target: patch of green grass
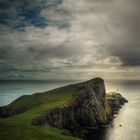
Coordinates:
[19,127]
[114,96]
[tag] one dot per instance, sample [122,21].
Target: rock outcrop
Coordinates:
[90,109]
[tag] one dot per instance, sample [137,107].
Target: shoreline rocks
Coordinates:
[89,110]
[92,109]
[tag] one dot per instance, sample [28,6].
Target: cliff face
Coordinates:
[86,107]
[90,109]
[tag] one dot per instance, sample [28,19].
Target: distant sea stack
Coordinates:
[89,108]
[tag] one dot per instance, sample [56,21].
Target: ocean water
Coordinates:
[10,90]
[128,117]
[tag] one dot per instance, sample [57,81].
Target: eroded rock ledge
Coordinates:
[90,109]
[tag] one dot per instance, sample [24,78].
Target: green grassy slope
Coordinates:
[28,107]
[19,127]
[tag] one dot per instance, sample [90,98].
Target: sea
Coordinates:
[125,125]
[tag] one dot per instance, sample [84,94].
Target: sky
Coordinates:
[69,39]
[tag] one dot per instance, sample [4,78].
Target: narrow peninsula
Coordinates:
[65,113]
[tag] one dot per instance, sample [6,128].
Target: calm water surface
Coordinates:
[128,117]
[10,90]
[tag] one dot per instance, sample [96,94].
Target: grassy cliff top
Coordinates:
[19,127]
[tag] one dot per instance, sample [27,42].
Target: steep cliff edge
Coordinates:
[73,109]
[90,109]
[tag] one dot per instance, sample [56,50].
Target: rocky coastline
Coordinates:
[91,108]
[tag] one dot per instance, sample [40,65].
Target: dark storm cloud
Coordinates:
[127,44]
[66,38]
[129,56]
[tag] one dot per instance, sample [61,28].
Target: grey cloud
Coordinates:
[126,44]
[86,37]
